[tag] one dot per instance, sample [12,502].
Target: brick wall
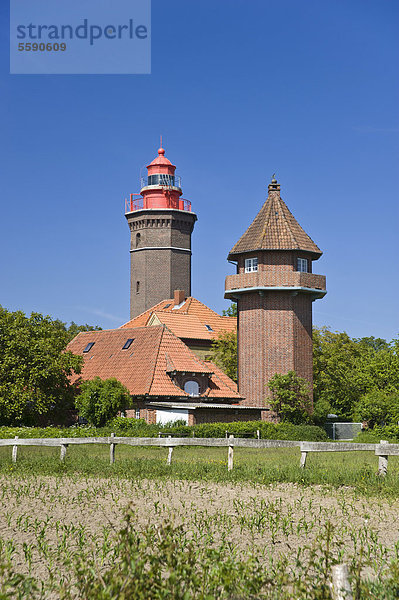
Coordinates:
[155,274]
[274,336]
[276,260]
[285,277]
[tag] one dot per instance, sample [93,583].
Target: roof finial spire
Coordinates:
[273,185]
[161,151]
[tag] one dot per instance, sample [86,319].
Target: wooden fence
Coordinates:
[382,450]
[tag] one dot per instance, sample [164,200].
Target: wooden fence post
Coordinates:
[340,586]
[14,451]
[63,451]
[303,459]
[170,451]
[112,451]
[383,461]
[230,455]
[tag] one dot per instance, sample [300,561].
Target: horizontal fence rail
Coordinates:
[382,450]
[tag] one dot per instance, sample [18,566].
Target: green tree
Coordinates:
[378,408]
[224,353]
[34,368]
[74,329]
[290,398]
[231,311]
[101,400]
[345,369]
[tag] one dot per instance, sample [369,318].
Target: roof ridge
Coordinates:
[215,374]
[156,358]
[145,312]
[288,225]
[206,306]
[268,209]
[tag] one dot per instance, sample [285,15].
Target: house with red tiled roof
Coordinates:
[193,322]
[166,380]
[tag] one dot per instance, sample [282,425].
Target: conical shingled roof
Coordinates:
[275,228]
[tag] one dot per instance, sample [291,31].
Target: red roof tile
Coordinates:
[143,368]
[188,322]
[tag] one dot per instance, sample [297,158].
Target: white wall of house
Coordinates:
[167,415]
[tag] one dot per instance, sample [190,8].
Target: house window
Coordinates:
[138,239]
[89,347]
[209,328]
[137,287]
[302,265]
[137,413]
[251,265]
[127,344]
[192,387]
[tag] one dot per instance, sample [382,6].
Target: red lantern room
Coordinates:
[160,189]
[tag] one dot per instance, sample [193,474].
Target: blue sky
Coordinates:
[239,89]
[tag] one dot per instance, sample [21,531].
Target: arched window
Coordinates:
[138,239]
[192,387]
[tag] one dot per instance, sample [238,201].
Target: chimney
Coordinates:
[179,297]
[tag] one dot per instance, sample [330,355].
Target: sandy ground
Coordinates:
[52,516]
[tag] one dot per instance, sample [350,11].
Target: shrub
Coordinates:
[378,408]
[139,428]
[291,398]
[101,400]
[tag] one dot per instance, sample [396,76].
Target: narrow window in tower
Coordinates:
[137,287]
[138,239]
[302,265]
[251,265]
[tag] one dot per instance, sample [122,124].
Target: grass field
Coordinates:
[357,470]
[143,529]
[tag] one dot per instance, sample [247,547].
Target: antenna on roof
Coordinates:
[161,140]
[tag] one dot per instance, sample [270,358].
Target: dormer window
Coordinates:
[209,328]
[191,387]
[302,265]
[251,265]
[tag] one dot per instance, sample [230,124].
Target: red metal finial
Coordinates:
[161,151]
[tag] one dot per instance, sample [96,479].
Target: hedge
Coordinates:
[373,436]
[139,428]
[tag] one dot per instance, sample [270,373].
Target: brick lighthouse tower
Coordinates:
[274,289]
[161,223]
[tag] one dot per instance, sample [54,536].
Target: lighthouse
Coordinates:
[274,288]
[161,223]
